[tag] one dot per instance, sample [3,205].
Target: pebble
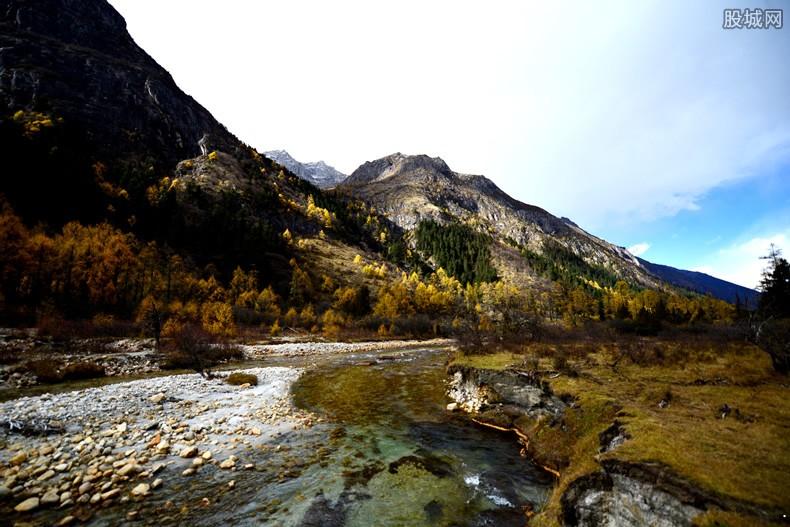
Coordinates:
[129,468]
[141,490]
[157,483]
[158,398]
[46,475]
[188,472]
[110,494]
[18,459]
[190,451]
[50,498]
[28,505]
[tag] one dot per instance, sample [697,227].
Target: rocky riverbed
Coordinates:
[81,451]
[301,349]
[138,356]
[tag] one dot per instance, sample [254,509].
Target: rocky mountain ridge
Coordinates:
[82,66]
[409,189]
[412,188]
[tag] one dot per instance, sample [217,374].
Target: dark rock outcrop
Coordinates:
[75,60]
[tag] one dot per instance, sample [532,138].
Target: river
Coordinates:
[385,453]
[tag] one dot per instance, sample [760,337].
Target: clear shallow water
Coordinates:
[387,453]
[413,463]
[390,455]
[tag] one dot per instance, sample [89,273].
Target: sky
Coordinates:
[646,123]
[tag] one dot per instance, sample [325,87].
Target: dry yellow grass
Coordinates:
[744,457]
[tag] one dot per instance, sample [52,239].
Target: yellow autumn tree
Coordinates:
[217,319]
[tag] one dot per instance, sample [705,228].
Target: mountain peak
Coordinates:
[408,166]
[318,173]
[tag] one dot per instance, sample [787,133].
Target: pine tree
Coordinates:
[775,286]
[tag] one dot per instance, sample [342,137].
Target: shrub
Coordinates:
[275,330]
[419,325]
[225,352]
[83,370]
[239,378]
[52,326]
[245,316]
[774,339]
[194,348]
[531,363]
[8,356]
[190,348]
[177,360]
[560,361]
[101,325]
[352,300]
[45,370]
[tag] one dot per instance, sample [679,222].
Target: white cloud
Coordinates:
[615,114]
[741,263]
[639,249]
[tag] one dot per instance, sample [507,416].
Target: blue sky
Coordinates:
[731,227]
[644,122]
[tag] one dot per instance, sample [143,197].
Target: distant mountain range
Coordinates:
[318,173]
[704,284]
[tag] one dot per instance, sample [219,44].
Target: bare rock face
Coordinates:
[75,60]
[476,390]
[409,189]
[628,502]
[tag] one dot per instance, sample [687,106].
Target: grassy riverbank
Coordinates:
[714,413]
